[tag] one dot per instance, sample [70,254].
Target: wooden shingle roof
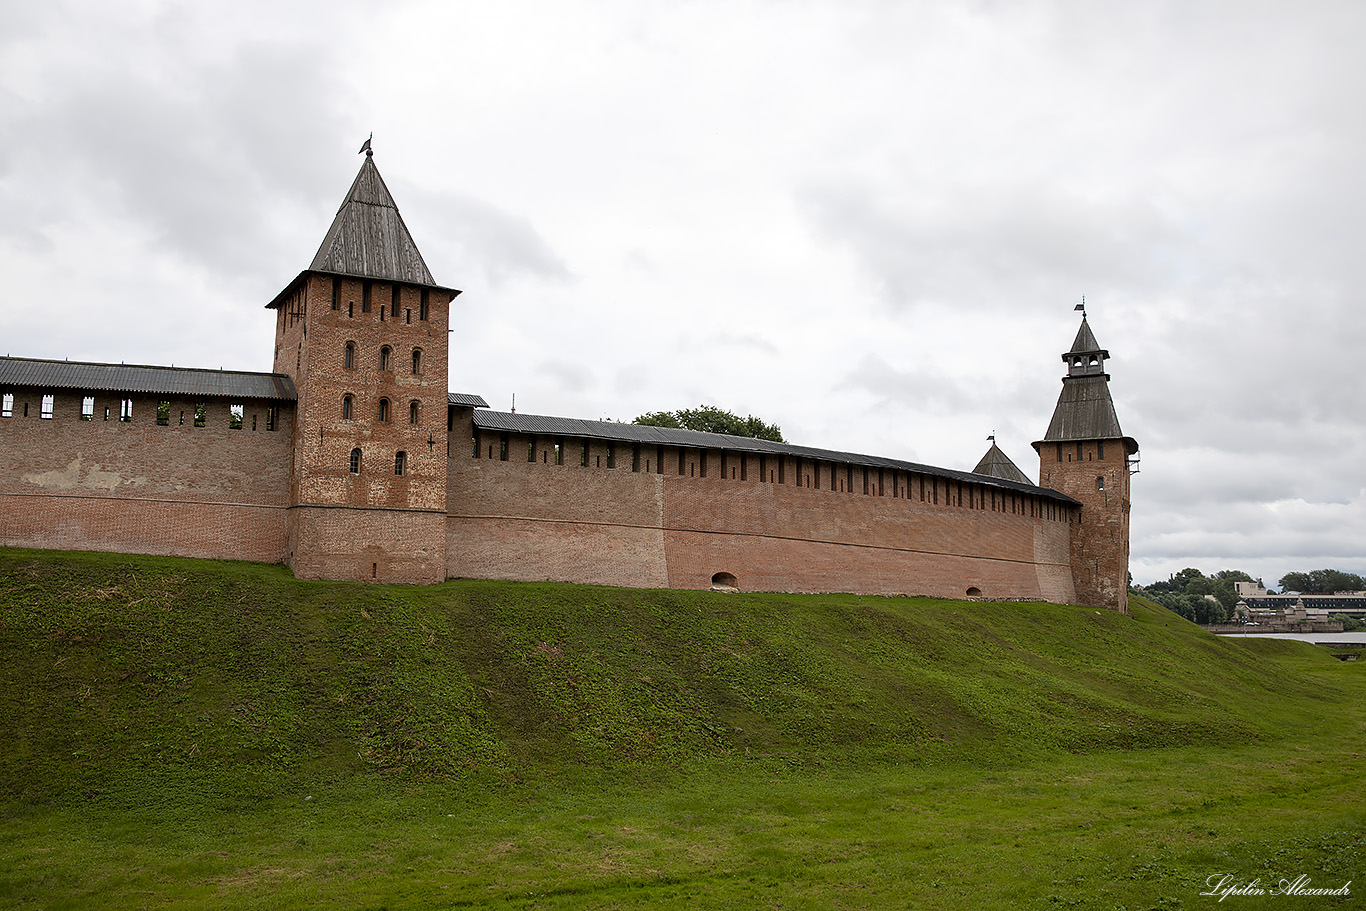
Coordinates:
[996,464]
[368,238]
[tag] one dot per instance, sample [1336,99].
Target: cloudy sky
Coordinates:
[866,222]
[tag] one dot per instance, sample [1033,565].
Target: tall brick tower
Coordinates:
[362,331]
[1086,456]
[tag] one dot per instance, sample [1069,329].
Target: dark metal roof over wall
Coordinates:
[186,381]
[997,464]
[500,421]
[368,237]
[466,399]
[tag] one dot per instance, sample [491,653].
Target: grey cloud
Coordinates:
[478,237]
[998,247]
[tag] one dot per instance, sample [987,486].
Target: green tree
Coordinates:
[710,419]
[1322,581]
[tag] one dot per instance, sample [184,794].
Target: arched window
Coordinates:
[385,354]
[349,357]
[355,461]
[400,462]
[1100,483]
[348,405]
[417,360]
[412,411]
[384,411]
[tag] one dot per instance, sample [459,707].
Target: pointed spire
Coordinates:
[996,464]
[368,238]
[1085,341]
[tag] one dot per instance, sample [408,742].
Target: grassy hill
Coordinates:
[146,685]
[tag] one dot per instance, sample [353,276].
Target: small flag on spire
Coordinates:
[365,146]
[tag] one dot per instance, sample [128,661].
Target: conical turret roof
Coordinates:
[1085,410]
[1085,341]
[368,238]
[996,464]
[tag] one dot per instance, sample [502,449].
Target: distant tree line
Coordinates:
[710,419]
[1185,592]
[1322,581]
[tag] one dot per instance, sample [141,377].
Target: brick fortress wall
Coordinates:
[788,526]
[138,487]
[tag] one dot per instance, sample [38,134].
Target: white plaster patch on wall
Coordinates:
[60,478]
[70,477]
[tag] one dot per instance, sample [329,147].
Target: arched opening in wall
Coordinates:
[384,411]
[349,356]
[355,461]
[385,355]
[348,406]
[974,592]
[724,582]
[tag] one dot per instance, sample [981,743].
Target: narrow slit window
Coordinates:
[273,417]
[611,455]
[422,306]
[393,304]
[336,293]
[349,356]
[531,448]
[365,298]
[417,360]
[503,447]
[400,463]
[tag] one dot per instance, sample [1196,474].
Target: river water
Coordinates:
[1356,638]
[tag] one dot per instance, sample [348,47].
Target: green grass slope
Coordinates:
[122,676]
